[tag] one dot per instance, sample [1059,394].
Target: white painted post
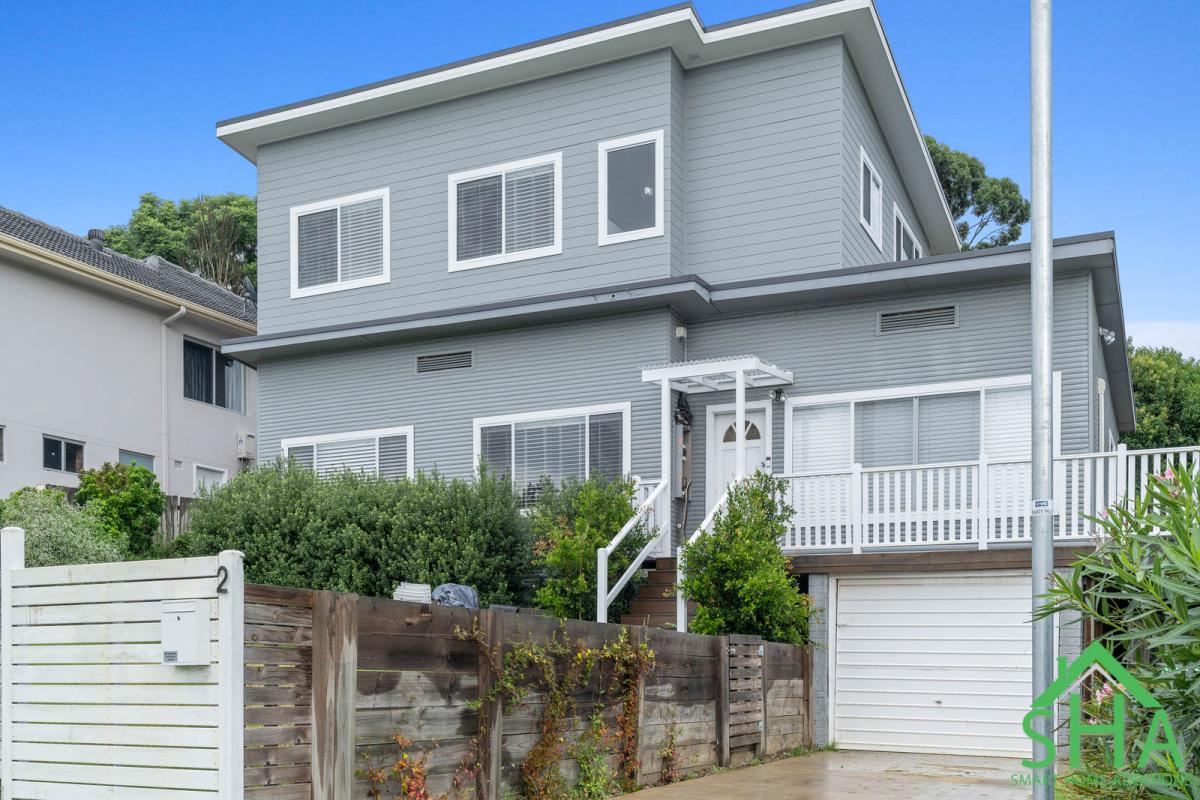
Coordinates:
[230,675]
[668,434]
[983,503]
[856,507]
[739,400]
[1121,495]
[601,584]
[680,600]
[12,556]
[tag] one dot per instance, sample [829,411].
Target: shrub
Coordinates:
[57,532]
[738,576]
[358,533]
[1143,590]
[570,522]
[129,501]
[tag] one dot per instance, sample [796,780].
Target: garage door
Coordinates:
[933,664]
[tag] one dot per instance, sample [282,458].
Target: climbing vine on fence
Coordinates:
[558,669]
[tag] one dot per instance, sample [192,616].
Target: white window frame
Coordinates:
[981,385]
[454,179]
[286,445]
[339,285]
[898,216]
[602,151]
[875,230]
[625,409]
[196,467]
[63,442]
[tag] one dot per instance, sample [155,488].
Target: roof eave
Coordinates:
[676,27]
[31,252]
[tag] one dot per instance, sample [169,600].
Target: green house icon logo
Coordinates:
[1096,660]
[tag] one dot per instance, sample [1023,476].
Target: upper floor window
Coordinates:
[906,245]
[62,455]
[386,452]
[212,378]
[340,244]
[870,199]
[132,459]
[631,188]
[555,445]
[506,213]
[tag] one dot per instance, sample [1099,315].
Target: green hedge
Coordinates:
[57,532]
[362,534]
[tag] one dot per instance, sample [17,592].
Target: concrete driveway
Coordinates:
[879,776]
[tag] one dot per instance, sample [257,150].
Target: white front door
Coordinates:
[722,451]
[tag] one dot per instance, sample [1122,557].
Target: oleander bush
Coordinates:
[738,575]
[1141,587]
[128,499]
[352,532]
[58,532]
[570,522]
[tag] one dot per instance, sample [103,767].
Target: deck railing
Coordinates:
[652,509]
[972,503]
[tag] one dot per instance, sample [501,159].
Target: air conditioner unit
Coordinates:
[247,447]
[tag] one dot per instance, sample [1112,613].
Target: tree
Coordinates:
[1166,394]
[215,236]
[127,498]
[988,211]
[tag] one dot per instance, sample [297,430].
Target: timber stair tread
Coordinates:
[654,604]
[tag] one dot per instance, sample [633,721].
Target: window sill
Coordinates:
[341,286]
[194,401]
[629,236]
[507,258]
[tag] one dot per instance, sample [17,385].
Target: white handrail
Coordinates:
[680,600]
[604,597]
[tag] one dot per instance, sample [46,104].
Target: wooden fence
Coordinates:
[330,678]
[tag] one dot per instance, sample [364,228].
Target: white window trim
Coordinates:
[452,182]
[196,467]
[981,385]
[383,194]
[897,214]
[875,231]
[602,151]
[374,433]
[625,409]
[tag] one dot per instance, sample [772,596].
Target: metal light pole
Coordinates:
[1042,295]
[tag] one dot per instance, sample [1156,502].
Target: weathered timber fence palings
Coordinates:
[330,678]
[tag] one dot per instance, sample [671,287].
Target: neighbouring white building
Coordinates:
[105,358]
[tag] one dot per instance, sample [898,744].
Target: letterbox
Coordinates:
[185,627]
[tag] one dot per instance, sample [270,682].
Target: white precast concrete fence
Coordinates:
[90,704]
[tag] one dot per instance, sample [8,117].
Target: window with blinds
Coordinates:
[340,244]
[386,452]
[506,213]
[554,448]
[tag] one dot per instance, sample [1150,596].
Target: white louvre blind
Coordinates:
[551,449]
[303,456]
[821,438]
[208,478]
[362,240]
[480,218]
[393,456]
[606,444]
[883,432]
[316,248]
[529,208]
[355,455]
[1007,423]
[495,447]
[948,428]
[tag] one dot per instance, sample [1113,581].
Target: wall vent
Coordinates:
[918,319]
[439,362]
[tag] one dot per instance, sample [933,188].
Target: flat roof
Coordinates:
[676,27]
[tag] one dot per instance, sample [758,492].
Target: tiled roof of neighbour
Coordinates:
[155,273]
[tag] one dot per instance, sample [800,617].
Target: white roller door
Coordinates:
[932,664]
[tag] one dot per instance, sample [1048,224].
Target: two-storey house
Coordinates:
[110,359]
[681,252]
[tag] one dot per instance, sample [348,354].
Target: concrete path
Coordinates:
[878,776]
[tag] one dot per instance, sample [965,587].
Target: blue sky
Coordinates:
[102,103]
